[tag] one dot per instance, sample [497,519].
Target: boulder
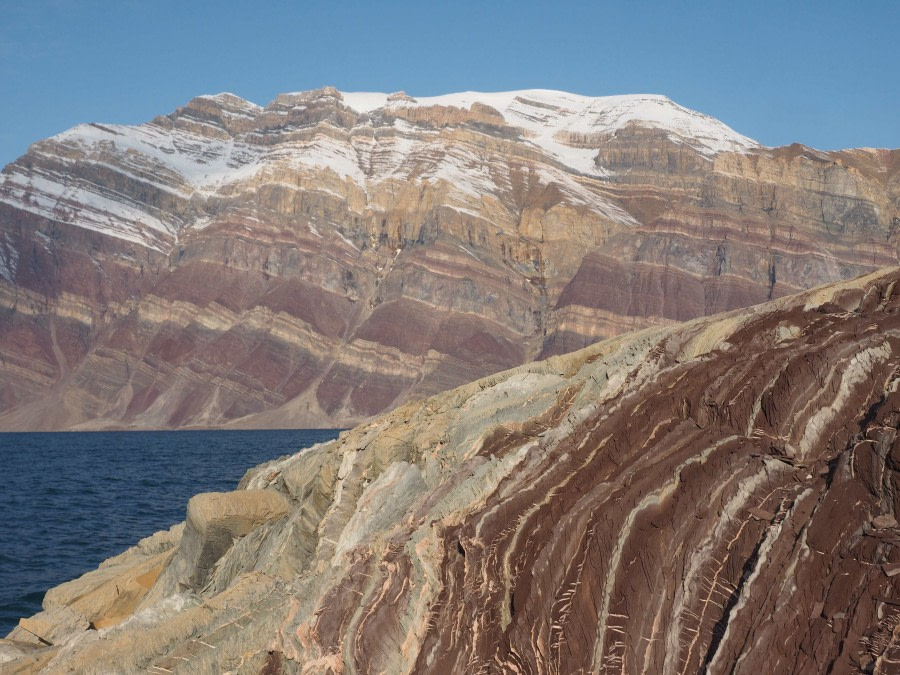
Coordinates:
[215,521]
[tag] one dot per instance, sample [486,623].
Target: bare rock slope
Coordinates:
[329,256]
[716,496]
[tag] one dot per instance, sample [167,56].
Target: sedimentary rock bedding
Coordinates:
[716,496]
[329,256]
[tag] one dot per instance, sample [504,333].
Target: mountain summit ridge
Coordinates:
[583,110]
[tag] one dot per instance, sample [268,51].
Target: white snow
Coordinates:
[323,152]
[345,240]
[84,205]
[546,116]
[364,101]
[467,251]
[9,258]
[228,98]
[567,128]
[202,162]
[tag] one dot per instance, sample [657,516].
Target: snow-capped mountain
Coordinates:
[330,254]
[197,156]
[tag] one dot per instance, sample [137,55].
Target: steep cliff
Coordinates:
[717,496]
[329,256]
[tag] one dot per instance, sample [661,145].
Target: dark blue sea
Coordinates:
[70,500]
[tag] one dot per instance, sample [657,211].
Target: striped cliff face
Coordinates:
[716,496]
[330,256]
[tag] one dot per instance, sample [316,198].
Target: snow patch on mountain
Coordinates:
[364,101]
[327,153]
[9,258]
[89,206]
[203,163]
[547,116]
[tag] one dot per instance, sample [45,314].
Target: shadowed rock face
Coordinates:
[327,257]
[716,496]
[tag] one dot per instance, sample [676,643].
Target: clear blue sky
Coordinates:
[823,73]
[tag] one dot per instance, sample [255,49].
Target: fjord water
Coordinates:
[71,500]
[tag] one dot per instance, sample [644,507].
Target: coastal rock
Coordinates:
[49,627]
[712,496]
[11,650]
[331,255]
[215,521]
[98,590]
[97,600]
[111,594]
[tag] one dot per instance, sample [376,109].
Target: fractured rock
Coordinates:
[884,521]
[215,521]
[50,626]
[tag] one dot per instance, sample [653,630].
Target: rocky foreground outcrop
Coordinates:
[325,258]
[717,496]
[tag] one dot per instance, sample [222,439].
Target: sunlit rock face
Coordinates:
[330,256]
[717,496]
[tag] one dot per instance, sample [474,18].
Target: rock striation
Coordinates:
[715,496]
[329,256]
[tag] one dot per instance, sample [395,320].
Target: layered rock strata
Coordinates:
[328,256]
[717,496]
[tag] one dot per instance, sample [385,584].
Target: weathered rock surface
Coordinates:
[329,256]
[717,496]
[214,522]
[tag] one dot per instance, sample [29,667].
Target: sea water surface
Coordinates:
[70,500]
